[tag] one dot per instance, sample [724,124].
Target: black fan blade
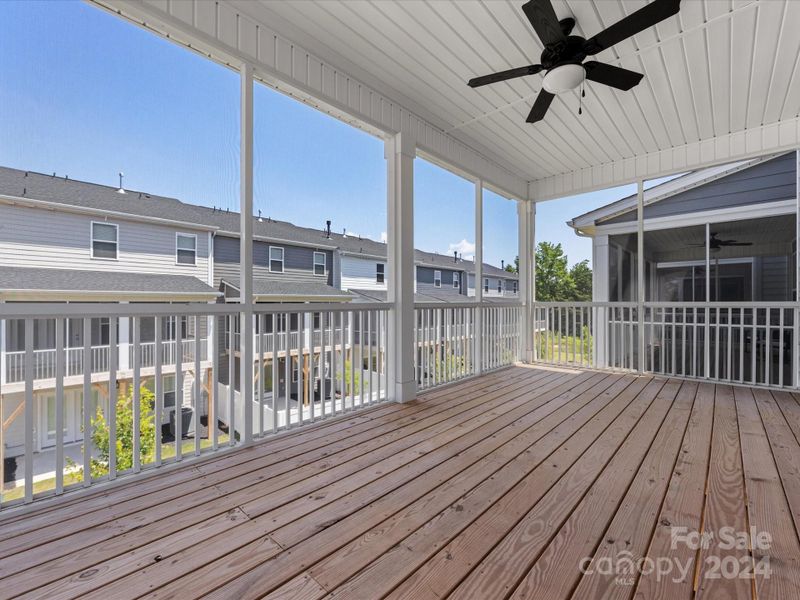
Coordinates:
[734,243]
[544,21]
[653,13]
[540,107]
[503,75]
[616,77]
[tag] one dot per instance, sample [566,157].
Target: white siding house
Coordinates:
[363,272]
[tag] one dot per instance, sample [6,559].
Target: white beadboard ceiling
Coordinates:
[721,79]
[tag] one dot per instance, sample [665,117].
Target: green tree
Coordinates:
[513,268]
[581,275]
[101,438]
[553,280]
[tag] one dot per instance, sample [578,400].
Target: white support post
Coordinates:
[640,271]
[796,316]
[707,328]
[246,329]
[478,276]
[526,215]
[600,293]
[400,153]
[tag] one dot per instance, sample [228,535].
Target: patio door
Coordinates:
[72,418]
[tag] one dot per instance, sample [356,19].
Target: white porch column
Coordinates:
[526,215]
[246,329]
[640,271]
[400,151]
[478,277]
[600,289]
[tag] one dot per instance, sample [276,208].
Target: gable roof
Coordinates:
[81,195]
[663,191]
[37,284]
[277,289]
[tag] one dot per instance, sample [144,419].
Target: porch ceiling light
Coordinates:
[564,78]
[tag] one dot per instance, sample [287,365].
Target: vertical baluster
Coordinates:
[259,325]
[276,388]
[740,378]
[323,361]
[86,404]
[683,342]
[113,361]
[717,328]
[343,394]
[332,338]
[351,324]
[29,373]
[158,387]
[662,315]
[60,369]
[179,386]
[767,346]
[310,363]
[137,392]
[198,387]
[729,347]
[379,344]
[753,344]
[695,353]
[301,380]
[780,348]
[287,368]
[231,380]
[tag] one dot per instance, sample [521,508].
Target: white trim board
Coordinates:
[741,213]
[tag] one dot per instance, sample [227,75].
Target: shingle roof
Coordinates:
[290,289]
[67,284]
[80,194]
[383,295]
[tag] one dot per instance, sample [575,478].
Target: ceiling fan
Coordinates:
[715,244]
[563,54]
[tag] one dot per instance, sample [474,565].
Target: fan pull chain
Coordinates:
[580,99]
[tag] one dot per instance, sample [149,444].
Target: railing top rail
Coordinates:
[466,304]
[759,304]
[40,310]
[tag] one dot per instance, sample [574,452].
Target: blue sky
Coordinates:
[85,94]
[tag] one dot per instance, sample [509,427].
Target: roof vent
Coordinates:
[502,264]
[455,255]
[344,232]
[328,229]
[121,190]
[260,220]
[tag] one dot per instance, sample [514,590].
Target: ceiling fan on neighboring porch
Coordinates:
[563,54]
[715,244]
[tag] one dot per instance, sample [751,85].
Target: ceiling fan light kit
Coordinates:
[564,78]
[563,56]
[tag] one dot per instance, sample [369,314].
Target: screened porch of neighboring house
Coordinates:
[400,444]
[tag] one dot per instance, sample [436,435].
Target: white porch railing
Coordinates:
[161,401]
[446,340]
[753,343]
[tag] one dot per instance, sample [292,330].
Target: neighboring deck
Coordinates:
[495,487]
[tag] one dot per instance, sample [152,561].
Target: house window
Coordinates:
[380,273]
[275,259]
[186,249]
[105,237]
[486,285]
[437,279]
[514,286]
[499,286]
[456,280]
[319,264]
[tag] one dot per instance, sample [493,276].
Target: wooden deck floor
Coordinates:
[498,487]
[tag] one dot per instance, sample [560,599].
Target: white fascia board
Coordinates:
[81,210]
[369,257]
[664,191]
[231,34]
[773,138]
[741,213]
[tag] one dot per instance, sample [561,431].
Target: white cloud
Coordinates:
[384,237]
[464,248]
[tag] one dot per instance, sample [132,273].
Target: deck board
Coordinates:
[496,487]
